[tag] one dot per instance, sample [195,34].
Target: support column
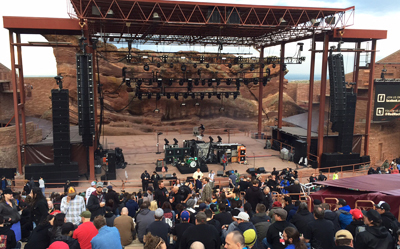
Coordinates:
[322,97]
[281,75]
[310,97]
[370,99]
[260,93]
[356,68]
[15,98]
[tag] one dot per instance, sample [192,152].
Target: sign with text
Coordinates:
[387,100]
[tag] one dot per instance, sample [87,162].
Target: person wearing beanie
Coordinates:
[72,206]
[375,235]
[125,226]
[159,228]
[89,191]
[357,223]
[97,202]
[67,229]
[85,231]
[250,238]
[190,207]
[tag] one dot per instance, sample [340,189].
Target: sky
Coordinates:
[369,14]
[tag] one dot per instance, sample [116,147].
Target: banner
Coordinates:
[387,100]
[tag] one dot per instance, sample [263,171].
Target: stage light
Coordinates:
[201,96]
[235,95]
[262,65]
[226,95]
[183,67]
[202,59]
[268,72]
[183,104]
[168,95]
[284,67]
[246,82]
[197,104]
[185,95]
[171,65]
[265,81]
[209,82]
[150,82]
[252,67]
[156,110]
[159,82]
[140,96]
[209,95]
[274,65]
[146,67]
[194,65]
[222,109]
[230,65]
[211,139]
[218,95]
[170,82]
[203,82]
[193,95]
[241,66]
[175,141]
[128,58]
[149,95]
[176,96]
[164,58]
[139,83]
[190,85]
[255,81]
[237,84]
[218,82]
[158,64]
[158,96]
[219,139]
[166,141]
[199,72]
[156,16]
[228,81]
[181,81]
[207,65]
[183,57]
[128,82]
[145,57]
[196,82]
[301,46]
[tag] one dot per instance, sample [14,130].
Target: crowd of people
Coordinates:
[191,214]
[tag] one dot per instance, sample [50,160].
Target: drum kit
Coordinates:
[188,161]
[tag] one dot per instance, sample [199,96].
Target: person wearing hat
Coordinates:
[67,229]
[125,226]
[145,180]
[358,222]
[158,227]
[244,226]
[97,202]
[343,239]
[388,219]
[72,206]
[9,211]
[202,232]
[85,231]
[276,205]
[190,208]
[320,233]
[375,235]
[274,237]
[181,227]
[89,191]
[250,238]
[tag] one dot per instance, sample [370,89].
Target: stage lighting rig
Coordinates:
[218,82]
[175,141]
[218,95]
[235,95]
[202,59]
[227,95]
[185,95]
[255,81]
[203,82]
[158,96]
[164,58]
[251,67]
[146,67]
[246,81]
[150,82]
[181,81]
[128,82]
[149,95]
[211,139]
[265,81]
[59,82]
[183,67]
[158,64]
[219,139]
[193,95]
[274,65]
[228,81]
[268,72]
[171,65]
[241,66]
[170,81]
[139,82]
[196,82]
[166,141]
[168,96]
[209,95]
[159,82]
[190,86]
[176,96]
[230,65]
[194,65]
[209,82]
[201,96]
[207,65]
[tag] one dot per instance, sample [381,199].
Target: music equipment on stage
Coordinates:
[61,133]
[220,173]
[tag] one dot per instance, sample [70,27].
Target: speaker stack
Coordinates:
[241,154]
[300,150]
[85,98]
[61,135]
[111,172]
[177,153]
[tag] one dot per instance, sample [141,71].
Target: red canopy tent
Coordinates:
[377,187]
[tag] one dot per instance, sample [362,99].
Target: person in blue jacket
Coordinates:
[345,218]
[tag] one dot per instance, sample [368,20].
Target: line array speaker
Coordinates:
[61,133]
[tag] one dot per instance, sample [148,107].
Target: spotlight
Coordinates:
[265,81]
[197,104]
[196,82]
[159,82]
[170,82]
[158,96]
[235,95]
[202,59]
[190,86]
[166,141]
[207,65]
[241,66]
[171,65]
[218,82]
[246,82]
[168,95]
[183,104]
[274,65]
[183,67]
[219,139]
[175,141]
[230,65]
[193,95]
[150,82]
[158,64]
[140,96]
[194,65]
[185,95]
[128,82]
[255,81]
[176,96]
[146,67]
[149,95]
[181,81]
[164,58]
[211,139]
[262,65]
[209,95]
[209,82]
[221,109]
[268,72]
[228,81]
[201,96]
[199,71]
[128,58]
[284,67]
[156,110]
[252,67]
[227,95]
[139,82]
[219,96]
[203,82]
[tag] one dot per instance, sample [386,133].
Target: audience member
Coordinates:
[158,227]
[261,221]
[40,237]
[39,208]
[112,199]
[267,198]
[110,216]
[225,218]
[67,229]
[145,180]
[250,238]
[132,206]
[125,226]
[388,219]
[357,224]
[254,195]
[207,189]
[181,227]
[320,233]
[161,194]
[154,242]
[302,218]
[292,239]
[9,211]
[274,237]
[344,213]
[143,218]
[72,206]
[97,202]
[288,203]
[85,231]
[343,239]
[7,235]
[294,189]
[89,191]
[332,216]
[276,205]
[234,240]
[108,237]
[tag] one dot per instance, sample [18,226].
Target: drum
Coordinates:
[189,160]
[193,164]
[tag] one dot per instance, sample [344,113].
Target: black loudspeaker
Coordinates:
[61,133]
[275,145]
[242,158]
[220,173]
[300,150]
[111,162]
[337,87]
[168,176]
[365,159]
[251,170]
[260,170]
[169,160]
[314,164]
[52,173]
[84,76]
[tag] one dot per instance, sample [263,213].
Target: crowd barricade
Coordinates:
[365,204]
[333,202]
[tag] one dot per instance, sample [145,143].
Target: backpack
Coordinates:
[359,229]
[168,217]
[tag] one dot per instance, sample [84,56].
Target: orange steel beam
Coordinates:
[359,34]
[370,98]
[356,67]
[281,76]
[322,99]
[310,97]
[260,94]
[15,98]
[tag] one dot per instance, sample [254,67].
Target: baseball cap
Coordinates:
[202,206]
[357,214]
[86,214]
[243,216]
[374,216]
[109,187]
[281,212]
[250,237]
[185,216]
[71,192]
[159,212]
[93,183]
[99,184]
[383,205]
[344,234]
[276,204]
